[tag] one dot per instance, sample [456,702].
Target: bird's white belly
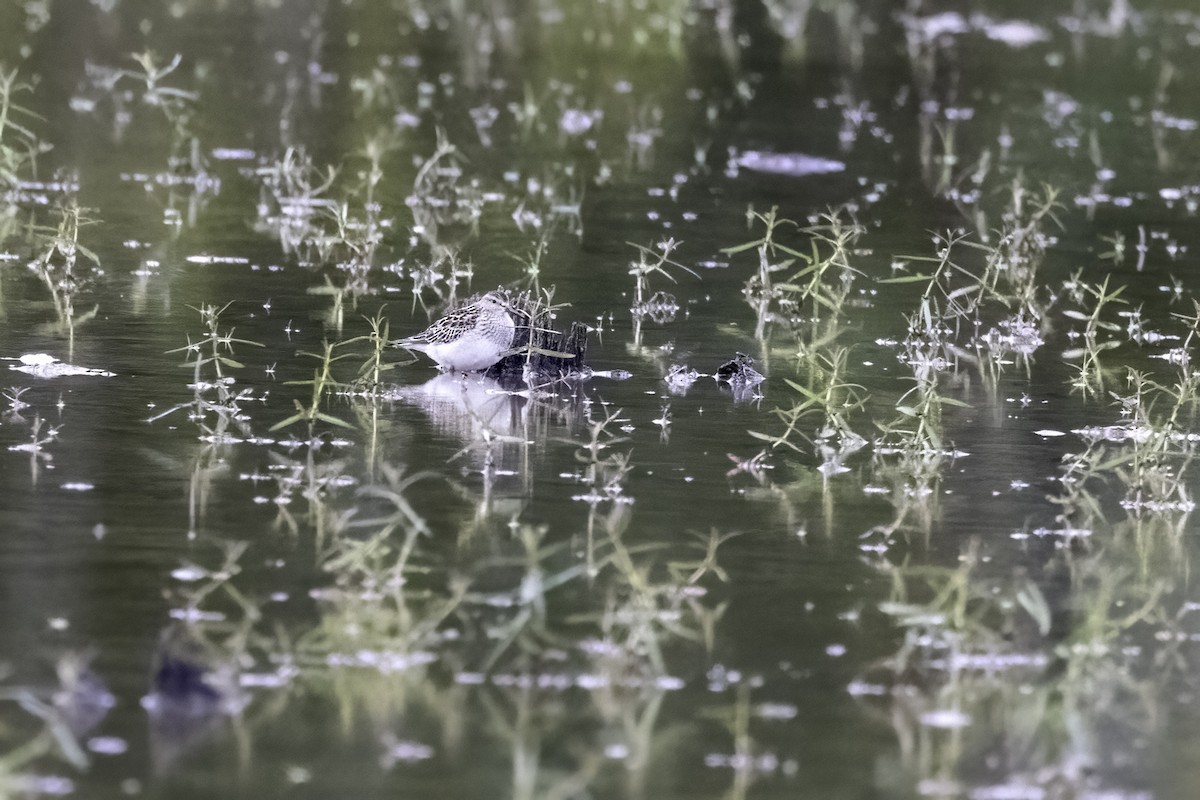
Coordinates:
[467,354]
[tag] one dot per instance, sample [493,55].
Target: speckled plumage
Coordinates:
[469,338]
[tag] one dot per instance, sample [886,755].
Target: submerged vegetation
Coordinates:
[925,533]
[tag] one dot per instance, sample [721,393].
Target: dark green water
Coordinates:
[964,572]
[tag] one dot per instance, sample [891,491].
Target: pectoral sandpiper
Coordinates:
[469,338]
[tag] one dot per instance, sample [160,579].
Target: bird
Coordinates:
[472,337]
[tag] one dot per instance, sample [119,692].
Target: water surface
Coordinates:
[942,550]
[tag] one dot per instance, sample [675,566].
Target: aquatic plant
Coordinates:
[953,293]
[824,406]
[36,446]
[210,359]
[15,404]
[216,407]
[1090,371]
[178,106]
[294,192]
[65,266]
[446,205]
[652,261]
[357,227]
[822,280]
[19,145]
[322,383]
[369,381]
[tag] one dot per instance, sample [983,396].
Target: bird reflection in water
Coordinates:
[473,408]
[491,424]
